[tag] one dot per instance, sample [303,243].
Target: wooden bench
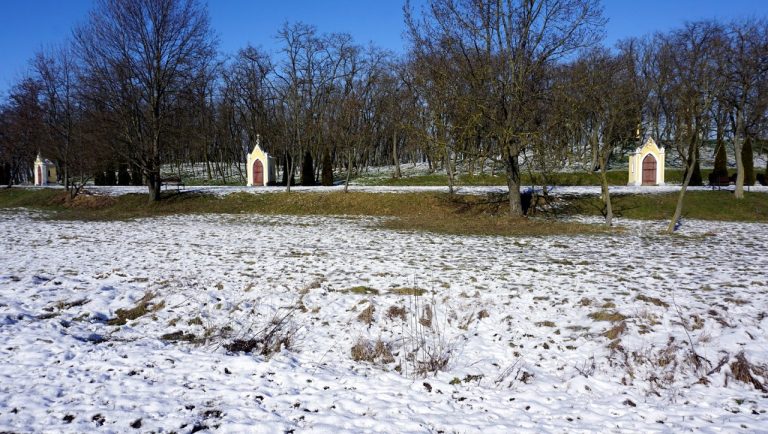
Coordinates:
[173,180]
[720,181]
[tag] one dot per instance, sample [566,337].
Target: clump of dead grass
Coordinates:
[144,306]
[606,315]
[360,290]
[367,351]
[616,331]
[746,372]
[396,312]
[652,300]
[409,291]
[426,318]
[366,316]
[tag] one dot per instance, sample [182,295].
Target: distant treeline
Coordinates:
[483,86]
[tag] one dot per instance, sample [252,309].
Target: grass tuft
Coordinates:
[361,290]
[416,292]
[652,300]
[366,315]
[605,315]
[396,312]
[616,331]
[144,306]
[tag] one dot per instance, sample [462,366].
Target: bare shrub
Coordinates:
[280,333]
[426,348]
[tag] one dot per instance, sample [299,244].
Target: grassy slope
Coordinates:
[615,177]
[704,205]
[435,212]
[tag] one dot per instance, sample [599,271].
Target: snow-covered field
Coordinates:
[556,334]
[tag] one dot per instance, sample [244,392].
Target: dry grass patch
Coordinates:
[749,373]
[426,318]
[360,290]
[736,301]
[605,315]
[417,292]
[144,306]
[396,312]
[367,351]
[179,336]
[652,300]
[616,331]
[366,315]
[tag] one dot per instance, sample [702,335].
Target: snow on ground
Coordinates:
[555,334]
[558,190]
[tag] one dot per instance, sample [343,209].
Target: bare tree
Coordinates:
[746,70]
[139,56]
[56,71]
[691,59]
[504,48]
[609,119]
[22,130]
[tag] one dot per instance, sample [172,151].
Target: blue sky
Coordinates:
[28,25]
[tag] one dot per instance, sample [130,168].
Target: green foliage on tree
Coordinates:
[136,177]
[721,161]
[110,177]
[123,177]
[98,178]
[307,170]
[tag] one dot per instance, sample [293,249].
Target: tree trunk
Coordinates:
[606,193]
[513,183]
[289,178]
[395,157]
[739,191]
[449,170]
[349,170]
[693,149]
[154,186]
[679,207]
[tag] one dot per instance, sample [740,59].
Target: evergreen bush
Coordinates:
[123,177]
[327,175]
[307,170]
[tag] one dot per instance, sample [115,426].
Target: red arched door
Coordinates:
[258,173]
[649,170]
[39,175]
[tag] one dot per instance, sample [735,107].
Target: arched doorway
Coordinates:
[649,170]
[258,173]
[39,175]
